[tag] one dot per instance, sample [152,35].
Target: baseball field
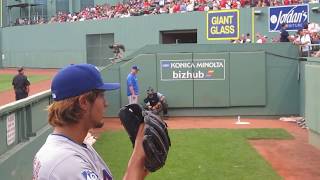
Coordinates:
[218,148]
[6,80]
[199,154]
[40,80]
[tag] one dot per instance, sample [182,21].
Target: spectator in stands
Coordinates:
[145,7]
[261,39]
[183,7]
[284,35]
[190,7]
[248,38]
[304,41]
[275,3]
[21,84]
[242,39]
[176,7]
[164,9]
[317,54]
[215,5]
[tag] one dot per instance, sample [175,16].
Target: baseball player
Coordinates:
[79,105]
[156,102]
[133,86]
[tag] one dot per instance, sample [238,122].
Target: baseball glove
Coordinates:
[156,140]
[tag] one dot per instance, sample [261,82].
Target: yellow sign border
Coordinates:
[225,10]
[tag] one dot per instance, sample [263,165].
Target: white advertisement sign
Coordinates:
[11,129]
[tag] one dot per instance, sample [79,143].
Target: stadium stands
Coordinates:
[152,7]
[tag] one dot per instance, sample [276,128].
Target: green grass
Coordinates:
[199,154]
[6,80]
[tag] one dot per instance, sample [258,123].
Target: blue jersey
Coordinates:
[132,80]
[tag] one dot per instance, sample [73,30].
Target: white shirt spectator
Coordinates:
[239,5]
[190,7]
[171,10]
[228,5]
[215,5]
[161,2]
[307,41]
[163,10]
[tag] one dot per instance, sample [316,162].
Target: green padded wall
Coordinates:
[302,82]
[312,104]
[212,93]
[18,165]
[112,97]
[247,78]
[282,84]
[178,93]
[274,74]
[39,110]
[312,100]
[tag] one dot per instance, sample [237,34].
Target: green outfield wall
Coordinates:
[312,100]
[55,45]
[245,79]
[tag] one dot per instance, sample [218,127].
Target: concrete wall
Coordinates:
[55,45]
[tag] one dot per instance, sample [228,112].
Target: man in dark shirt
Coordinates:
[21,84]
[284,35]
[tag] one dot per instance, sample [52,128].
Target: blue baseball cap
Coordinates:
[75,80]
[135,67]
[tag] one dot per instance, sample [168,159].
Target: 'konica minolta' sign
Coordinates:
[295,16]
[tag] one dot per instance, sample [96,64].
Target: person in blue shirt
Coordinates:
[133,85]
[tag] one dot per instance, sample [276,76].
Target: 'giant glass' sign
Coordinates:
[295,16]
[223,25]
[198,69]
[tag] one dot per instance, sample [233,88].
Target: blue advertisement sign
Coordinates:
[295,16]
[223,25]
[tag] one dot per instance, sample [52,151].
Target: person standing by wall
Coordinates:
[133,86]
[21,84]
